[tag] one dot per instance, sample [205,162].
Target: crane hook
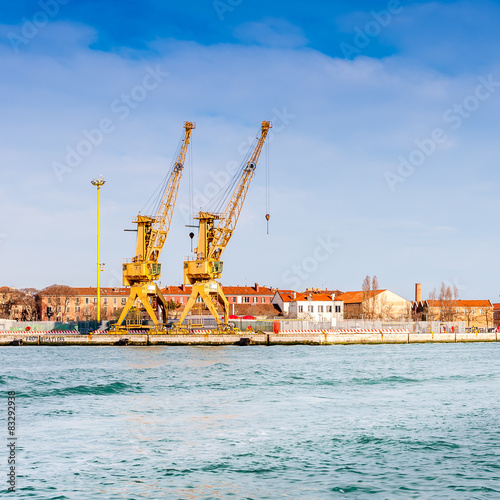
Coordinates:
[267,219]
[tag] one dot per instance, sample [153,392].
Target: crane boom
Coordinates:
[144,269]
[215,231]
[229,219]
[161,224]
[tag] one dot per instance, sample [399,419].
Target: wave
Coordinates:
[86,390]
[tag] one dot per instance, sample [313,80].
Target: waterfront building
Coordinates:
[496,314]
[475,313]
[375,305]
[256,294]
[282,298]
[64,303]
[316,307]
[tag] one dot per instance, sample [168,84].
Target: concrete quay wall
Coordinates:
[327,338]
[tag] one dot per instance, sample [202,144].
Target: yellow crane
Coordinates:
[144,269]
[214,232]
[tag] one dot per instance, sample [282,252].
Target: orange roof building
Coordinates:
[475,313]
[375,305]
[496,314]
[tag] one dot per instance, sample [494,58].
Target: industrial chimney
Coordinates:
[418,292]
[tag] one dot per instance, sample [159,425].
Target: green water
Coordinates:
[388,422]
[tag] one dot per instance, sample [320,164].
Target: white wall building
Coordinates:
[282,299]
[317,307]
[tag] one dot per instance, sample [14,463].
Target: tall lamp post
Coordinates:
[98,183]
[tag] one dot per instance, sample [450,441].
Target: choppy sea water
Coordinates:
[299,422]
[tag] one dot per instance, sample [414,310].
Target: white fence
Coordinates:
[359,324]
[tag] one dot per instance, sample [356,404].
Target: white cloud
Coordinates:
[351,120]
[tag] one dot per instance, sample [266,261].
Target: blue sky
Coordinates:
[383,158]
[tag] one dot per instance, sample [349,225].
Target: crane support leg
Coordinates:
[141,292]
[206,291]
[162,303]
[221,298]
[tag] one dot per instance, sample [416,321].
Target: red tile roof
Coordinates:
[319,290]
[247,290]
[89,291]
[356,297]
[496,307]
[228,290]
[461,303]
[316,297]
[259,310]
[286,295]
[176,290]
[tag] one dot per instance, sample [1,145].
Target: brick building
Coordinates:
[496,314]
[64,303]
[475,313]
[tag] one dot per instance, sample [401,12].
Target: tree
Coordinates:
[432,308]
[447,302]
[371,307]
[172,305]
[18,305]
[488,316]
[366,304]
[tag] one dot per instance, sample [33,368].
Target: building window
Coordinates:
[246,300]
[67,309]
[328,309]
[77,300]
[310,309]
[263,300]
[114,300]
[472,311]
[480,311]
[95,300]
[124,300]
[320,309]
[77,309]
[301,309]
[58,309]
[338,309]
[255,299]
[86,300]
[105,300]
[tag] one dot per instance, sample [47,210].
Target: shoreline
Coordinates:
[242,339]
